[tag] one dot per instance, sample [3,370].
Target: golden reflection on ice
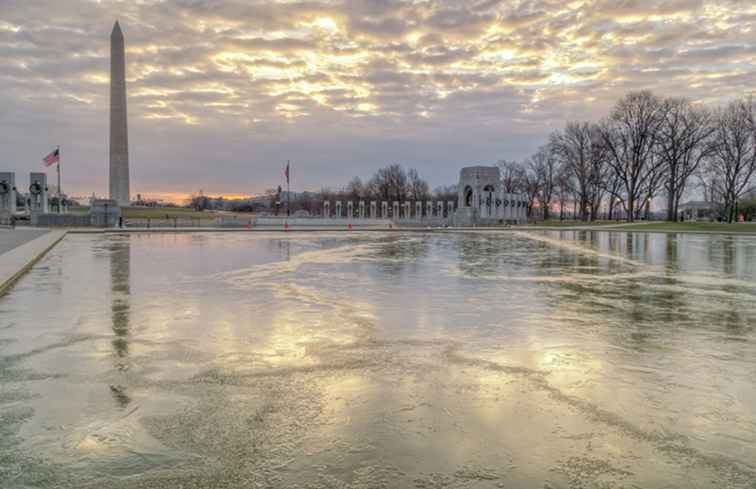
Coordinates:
[567,359]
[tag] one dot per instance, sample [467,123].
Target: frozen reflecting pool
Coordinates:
[317,360]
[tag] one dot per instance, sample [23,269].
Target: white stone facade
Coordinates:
[483,201]
[7,193]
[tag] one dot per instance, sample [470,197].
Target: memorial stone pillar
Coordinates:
[326,209]
[429,209]
[384,210]
[350,209]
[7,193]
[418,210]
[373,209]
[395,210]
[361,207]
[339,214]
[38,192]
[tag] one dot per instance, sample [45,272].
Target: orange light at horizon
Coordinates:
[182,198]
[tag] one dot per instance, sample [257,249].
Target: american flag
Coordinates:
[52,158]
[286,172]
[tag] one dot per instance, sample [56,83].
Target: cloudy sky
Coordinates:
[222,92]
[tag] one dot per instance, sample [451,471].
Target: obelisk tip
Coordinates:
[116,30]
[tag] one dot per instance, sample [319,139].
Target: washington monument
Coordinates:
[119,134]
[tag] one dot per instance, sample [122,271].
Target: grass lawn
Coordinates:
[170,212]
[569,223]
[709,227]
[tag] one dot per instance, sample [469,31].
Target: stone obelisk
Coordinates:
[119,133]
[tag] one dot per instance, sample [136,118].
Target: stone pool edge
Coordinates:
[16,262]
[612,228]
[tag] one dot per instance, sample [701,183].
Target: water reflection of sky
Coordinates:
[575,359]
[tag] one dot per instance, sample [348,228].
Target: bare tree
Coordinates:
[600,173]
[546,166]
[572,147]
[583,158]
[417,188]
[511,176]
[682,143]
[389,183]
[563,190]
[657,175]
[731,163]
[612,184]
[532,182]
[629,137]
[355,190]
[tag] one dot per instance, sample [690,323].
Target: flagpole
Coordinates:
[288,191]
[60,204]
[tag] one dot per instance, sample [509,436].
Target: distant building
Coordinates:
[482,200]
[698,210]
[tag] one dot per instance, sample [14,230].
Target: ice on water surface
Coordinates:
[493,359]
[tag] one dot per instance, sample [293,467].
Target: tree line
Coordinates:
[391,183]
[646,148]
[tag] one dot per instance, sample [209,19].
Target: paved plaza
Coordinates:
[13,238]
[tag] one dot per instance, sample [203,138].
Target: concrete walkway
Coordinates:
[19,252]
[12,238]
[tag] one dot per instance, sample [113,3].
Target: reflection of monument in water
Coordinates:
[119,135]
[120,308]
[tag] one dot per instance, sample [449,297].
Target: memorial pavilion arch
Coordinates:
[482,199]
[469,196]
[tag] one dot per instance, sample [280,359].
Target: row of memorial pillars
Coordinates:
[38,193]
[403,210]
[509,207]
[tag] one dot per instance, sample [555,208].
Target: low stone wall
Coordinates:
[321,222]
[61,220]
[167,223]
[233,222]
[102,213]
[434,222]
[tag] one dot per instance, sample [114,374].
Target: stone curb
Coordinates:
[344,228]
[16,262]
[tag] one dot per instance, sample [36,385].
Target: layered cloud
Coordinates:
[221,93]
